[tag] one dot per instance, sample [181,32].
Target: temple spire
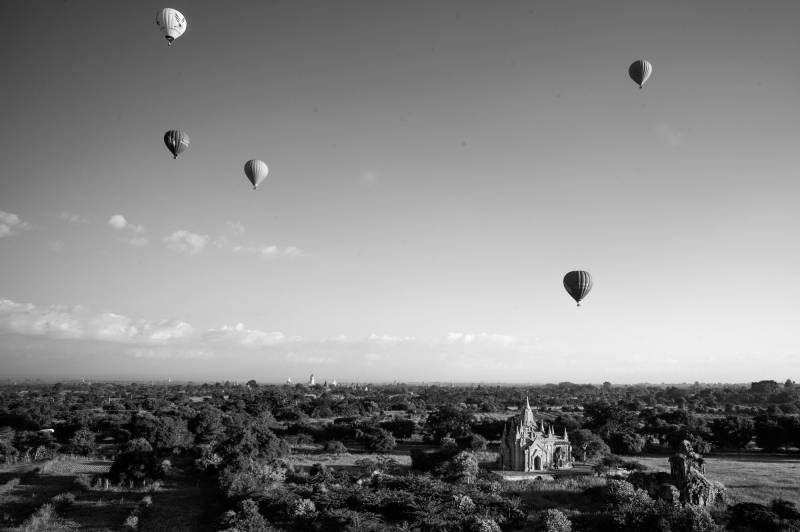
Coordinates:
[527,415]
[565,434]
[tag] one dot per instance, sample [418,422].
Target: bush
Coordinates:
[751,515]
[556,521]
[785,509]
[630,508]
[131,523]
[380,441]
[246,519]
[482,524]
[691,518]
[335,447]
[302,509]
[46,520]
[625,442]
[63,500]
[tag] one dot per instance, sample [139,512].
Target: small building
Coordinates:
[526,446]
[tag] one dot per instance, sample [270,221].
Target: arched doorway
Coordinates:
[537,463]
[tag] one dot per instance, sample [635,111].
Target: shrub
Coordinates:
[630,508]
[246,519]
[751,515]
[380,441]
[251,478]
[335,447]
[131,523]
[692,518]
[302,509]
[482,524]
[46,520]
[785,509]
[556,521]
[63,500]
[464,504]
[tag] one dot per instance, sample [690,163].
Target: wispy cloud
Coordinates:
[77,322]
[186,242]
[135,232]
[241,335]
[368,178]
[72,218]
[11,224]
[243,345]
[669,134]
[269,252]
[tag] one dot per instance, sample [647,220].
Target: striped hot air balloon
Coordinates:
[640,71]
[171,23]
[578,284]
[256,171]
[177,142]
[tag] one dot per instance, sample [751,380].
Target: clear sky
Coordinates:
[435,169]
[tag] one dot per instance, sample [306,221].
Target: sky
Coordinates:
[435,169]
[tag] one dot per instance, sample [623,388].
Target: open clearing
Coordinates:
[184,503]
[749,478]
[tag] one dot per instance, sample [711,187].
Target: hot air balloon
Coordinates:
[256,171]
[171,23]
[578,284]
[640,71]
[177,142]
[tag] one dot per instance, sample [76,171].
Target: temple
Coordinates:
[528,447]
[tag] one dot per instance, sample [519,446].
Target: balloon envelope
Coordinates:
[177,141]
[640,71]
[256,171]
[171,23]
[578,284]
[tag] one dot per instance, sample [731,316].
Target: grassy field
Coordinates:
[749,478]
[39,482]
[183,503]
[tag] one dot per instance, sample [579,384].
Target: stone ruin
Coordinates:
[686,482]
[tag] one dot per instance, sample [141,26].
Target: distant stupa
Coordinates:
[311,381]
[333,383]
[289,380]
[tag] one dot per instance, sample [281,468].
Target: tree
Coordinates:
[770,434]
[449,420]
[588,446]
[136,464]
[603,418]
[380,441]
[207,425]
[171,433]
[400,428]
[83,442]
[250,478]
[630,508]
[625,442]
[246,519]
[732,432]
[463,467]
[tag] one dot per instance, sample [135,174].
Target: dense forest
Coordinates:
[239,440]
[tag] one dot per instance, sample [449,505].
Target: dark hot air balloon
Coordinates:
[640,71]
[256,171]
[578,284]
[177,142]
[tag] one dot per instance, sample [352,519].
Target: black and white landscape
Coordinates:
[298,265]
